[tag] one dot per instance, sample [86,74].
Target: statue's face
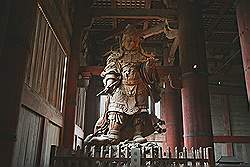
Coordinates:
[130,42]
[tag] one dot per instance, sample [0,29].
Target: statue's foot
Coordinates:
[99,140]
[103,140]
[139,139]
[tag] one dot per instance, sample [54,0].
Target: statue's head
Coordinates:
[131,38]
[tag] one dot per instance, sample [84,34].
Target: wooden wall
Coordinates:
[45,67]
[41,119]
[230,117]
[28,138]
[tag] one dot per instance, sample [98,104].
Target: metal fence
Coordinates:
[116,156]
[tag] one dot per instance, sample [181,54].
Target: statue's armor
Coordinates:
[131,96]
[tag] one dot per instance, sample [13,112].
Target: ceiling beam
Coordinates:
[217,21]
[132,13]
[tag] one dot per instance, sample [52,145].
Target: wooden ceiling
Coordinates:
[218,18]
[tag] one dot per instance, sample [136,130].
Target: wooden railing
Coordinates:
[112,156]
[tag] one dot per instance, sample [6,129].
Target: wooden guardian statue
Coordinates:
[129,77]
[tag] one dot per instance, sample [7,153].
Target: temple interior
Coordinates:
[52,54]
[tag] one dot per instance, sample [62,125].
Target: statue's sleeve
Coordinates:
[111,73]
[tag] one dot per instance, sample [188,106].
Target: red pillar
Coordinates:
[72,75]
[197,126]
[243,15]
[171,111]
[15,42]
[70,101]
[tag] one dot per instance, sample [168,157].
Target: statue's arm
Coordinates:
[111,73]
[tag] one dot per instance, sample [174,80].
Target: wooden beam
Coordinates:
[39,105]
[231,139]
[132,13]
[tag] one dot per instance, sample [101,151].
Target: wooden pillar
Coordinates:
[243,14]
[72,75]
[71,89]
[14,49]
[171,112]
[195,95]
[92,105]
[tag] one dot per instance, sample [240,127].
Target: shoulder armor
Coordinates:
[114,55]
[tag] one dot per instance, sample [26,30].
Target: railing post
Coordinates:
[53,151]
[135,157]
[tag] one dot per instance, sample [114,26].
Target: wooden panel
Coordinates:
[51,137]
[239,116]
[28,138]
[44,72]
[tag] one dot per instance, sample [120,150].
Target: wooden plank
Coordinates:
[46,43]
[51,60]
[46,63]
[55,77]
[37,52]
[36,103]
[53,74]
[34,51]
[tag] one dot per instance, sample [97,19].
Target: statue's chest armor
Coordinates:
[132,58]
[130,68]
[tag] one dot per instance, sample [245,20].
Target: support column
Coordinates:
[72,76]
[15,42]
[195,95]
[243,15]
[71,89]
[171,111]
[92,106]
